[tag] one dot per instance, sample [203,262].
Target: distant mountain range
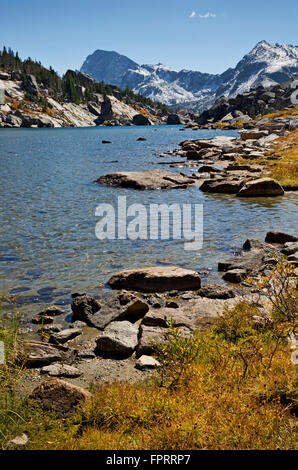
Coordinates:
[265,65]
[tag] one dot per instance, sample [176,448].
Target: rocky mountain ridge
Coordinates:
[32,105]
[38,97]
[266,65]
[235,112]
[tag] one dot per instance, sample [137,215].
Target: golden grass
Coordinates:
[213,407]
[282,113]
[220,125]
[285,170]
[215,411]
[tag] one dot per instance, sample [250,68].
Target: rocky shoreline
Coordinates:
[114,337]
[220,169]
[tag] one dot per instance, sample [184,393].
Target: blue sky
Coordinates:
[209,36]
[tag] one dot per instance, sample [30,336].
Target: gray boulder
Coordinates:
[161,316]
[123,306]
[149,336]
[235,276]
[119,339]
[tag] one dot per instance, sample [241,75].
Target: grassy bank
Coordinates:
[284,170]
[231,387]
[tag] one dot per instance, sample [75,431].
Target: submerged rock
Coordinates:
[257,257]
[52,311]
[42,320]
[156,279]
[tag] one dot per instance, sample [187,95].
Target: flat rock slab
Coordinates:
[98,314]
[118,340]
[156,279]
[261,187]
[60,397]
[197,314]
[217,143]
[38,354]
[161,317]
[151,179]
[65,335]
[61,370]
